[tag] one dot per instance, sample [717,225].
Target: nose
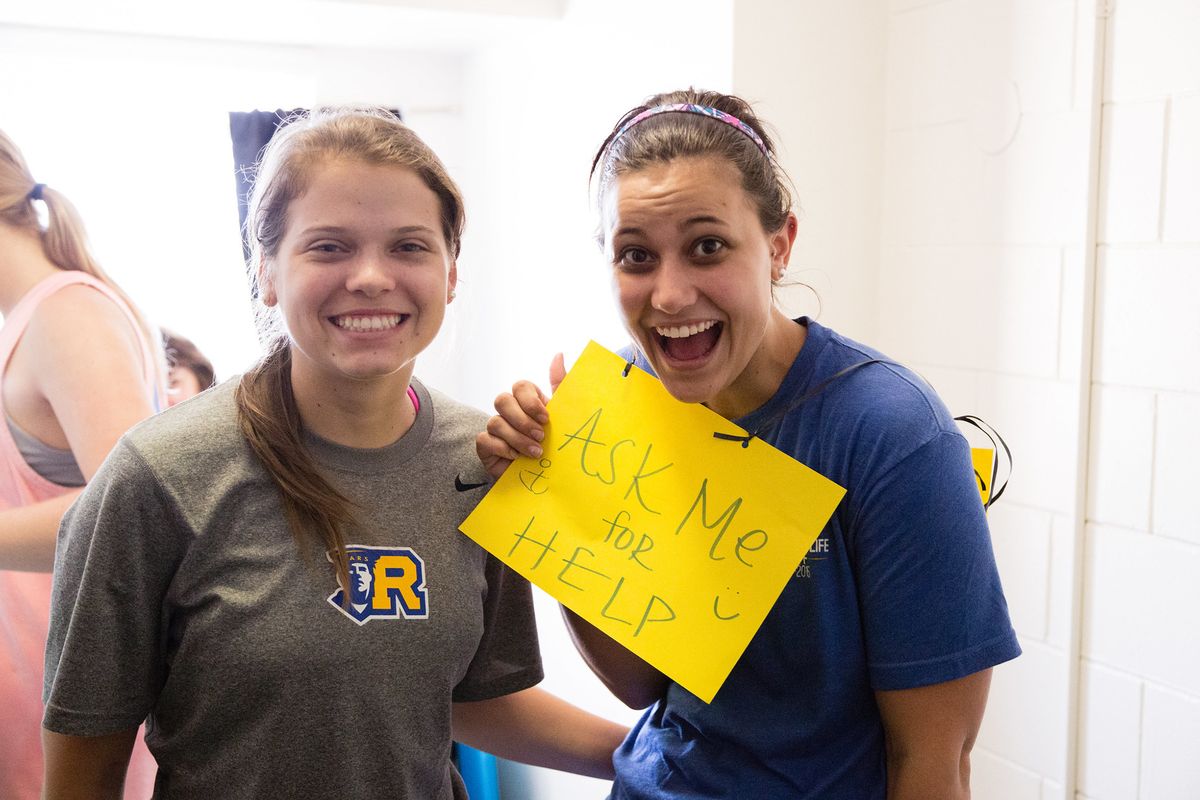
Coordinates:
[370,274]
[673,289]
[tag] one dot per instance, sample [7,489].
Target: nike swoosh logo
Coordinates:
[466,487]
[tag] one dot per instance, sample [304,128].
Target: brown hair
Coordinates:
[267,410]
[64,240]
[665,137]
[182,353]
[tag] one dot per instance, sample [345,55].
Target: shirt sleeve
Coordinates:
[507,659]
[932,605]
[118,548]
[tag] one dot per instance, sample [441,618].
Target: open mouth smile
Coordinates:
[358,323]
[688,342]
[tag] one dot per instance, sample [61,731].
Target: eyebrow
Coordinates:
[702,219]
[335,229]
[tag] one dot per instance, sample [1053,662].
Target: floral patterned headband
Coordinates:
[692,108]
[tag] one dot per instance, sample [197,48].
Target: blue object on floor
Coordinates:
[478,770]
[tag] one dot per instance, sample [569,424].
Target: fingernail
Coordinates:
[535,452]
[540,435]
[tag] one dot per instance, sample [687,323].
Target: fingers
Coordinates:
[557,371]
[517,429]
[515,432]
[530,410]
[494,453]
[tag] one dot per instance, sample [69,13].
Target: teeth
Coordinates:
[362,324]
[684,331]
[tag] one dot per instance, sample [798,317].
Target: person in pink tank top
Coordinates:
[79,365]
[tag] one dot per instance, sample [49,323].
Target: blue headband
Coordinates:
[692,108]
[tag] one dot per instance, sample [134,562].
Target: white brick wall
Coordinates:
[1141,714]
[1152,49]
[1023,542]
[1110,739]
[981,274]
[993,778]
[983,268]
[1141,604]
[1177,435]
[1148,320]
[1131,172]
[1181,204]
[1170,744]
[982,279]
[1026,714]
[1121,457]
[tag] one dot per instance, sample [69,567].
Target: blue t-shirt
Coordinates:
[899,591]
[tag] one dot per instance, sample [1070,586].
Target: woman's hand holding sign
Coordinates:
[516,429]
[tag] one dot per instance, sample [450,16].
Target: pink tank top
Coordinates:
[25,596]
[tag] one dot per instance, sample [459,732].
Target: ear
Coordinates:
[266,285]
[452,283]
[781,242]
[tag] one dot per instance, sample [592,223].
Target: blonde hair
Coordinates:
[64,240]
[267,412]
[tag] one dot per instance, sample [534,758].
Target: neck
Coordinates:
[762,377]
[23,264]
[365,414]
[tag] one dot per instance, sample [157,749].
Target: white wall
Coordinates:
[995,228]
[135,130]
[980,285]
[815,70]
[1141,640]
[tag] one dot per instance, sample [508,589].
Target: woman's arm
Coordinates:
[535,727]
[85,365]
[634,682]
[929,733]
[85,767]
[517,430]
[28,533]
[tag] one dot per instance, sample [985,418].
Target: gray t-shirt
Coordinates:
[181,595]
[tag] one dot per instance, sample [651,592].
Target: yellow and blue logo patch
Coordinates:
[385,583]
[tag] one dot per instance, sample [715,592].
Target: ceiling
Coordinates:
[412,25]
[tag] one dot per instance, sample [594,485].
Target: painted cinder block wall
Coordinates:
[1140,702]
[984,229]
[1036,255]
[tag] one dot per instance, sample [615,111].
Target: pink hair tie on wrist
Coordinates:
[692,108]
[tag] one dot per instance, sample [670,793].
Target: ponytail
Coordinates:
[65,244]
[64,240]
[270,422]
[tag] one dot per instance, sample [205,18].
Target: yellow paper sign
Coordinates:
[671,541]
[981,459]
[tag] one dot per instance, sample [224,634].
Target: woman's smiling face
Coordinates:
[363,273]
[693,271]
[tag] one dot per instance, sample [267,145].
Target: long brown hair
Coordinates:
[267,411]
[64,240]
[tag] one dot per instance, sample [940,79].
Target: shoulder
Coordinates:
[875,405]
[453,418]
[197,454]
[191,433]
[81,312]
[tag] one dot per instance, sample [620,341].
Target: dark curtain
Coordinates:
[251,130]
